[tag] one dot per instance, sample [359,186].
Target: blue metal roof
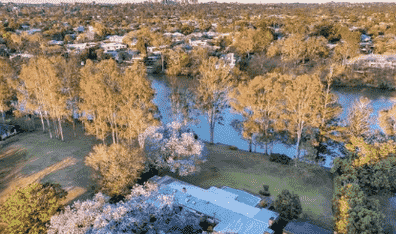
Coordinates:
[234,216]
[243,196]
[298,227]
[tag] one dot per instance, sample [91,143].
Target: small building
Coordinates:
[54,42]
[229,59]
[299,227]
[197,42]
[115,38]
[33,31]
[230,210]
[79,29]
[112,46]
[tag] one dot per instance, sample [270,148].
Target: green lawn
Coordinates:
[249,171]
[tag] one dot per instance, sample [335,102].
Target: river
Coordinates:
[225,134]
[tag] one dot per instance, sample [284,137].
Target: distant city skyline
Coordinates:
[200,1]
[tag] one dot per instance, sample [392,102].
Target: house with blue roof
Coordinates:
[231,210]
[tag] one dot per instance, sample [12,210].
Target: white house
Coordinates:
[80,46]
[231,210]
[115,38]
[197,42]
[229,59]
[113,46]
[54,42]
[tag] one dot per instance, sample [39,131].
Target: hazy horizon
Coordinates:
[200,1]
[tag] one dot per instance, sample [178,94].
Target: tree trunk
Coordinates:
[298,147]
[162,58]
[74,127]
[48,123]
[56,131]
[266,147]
[42,120]
[250,145]
[3,116]
[113,132]
[60,128]
[74,123]
[212,125]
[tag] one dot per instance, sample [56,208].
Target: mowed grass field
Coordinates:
[33,156]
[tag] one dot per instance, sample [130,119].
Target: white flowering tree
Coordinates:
[172,147]
[134,215]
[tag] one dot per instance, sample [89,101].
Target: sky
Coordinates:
[201,1]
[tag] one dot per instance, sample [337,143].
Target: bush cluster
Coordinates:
[280,158]
[288,205]
[29,209]
[111,164]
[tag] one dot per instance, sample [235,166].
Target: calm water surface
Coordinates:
[226,134]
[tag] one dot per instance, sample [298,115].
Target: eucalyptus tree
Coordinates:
[302,106]
[136,108]
[214,83]
[259,103]
[387,120]
[99,93]
[120,103]
[43,88]
[6,73]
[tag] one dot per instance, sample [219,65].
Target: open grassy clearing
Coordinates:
[33,156]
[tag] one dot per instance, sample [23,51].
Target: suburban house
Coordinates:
[115,38]
[231,210]
[375,60]
[80,46]
[176,37]
[229,59]
[197,42]
[112,46]
[23,55]
[54,42]
[297,227]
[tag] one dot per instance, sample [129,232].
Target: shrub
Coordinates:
[263,203]
[280,158]
[288,205]
[117,167]
[29,209]
[232,147]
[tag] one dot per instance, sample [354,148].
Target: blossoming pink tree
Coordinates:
[172,147]
[134,215]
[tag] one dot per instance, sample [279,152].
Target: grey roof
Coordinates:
[234,216]
[298,227]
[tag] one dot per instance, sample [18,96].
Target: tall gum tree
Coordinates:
[302,97]
[43,87]
[99,92]
[6,73]
[136,106]
[120,103]
[258,102]
[212,91]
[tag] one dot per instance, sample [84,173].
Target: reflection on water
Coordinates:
[226,134]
